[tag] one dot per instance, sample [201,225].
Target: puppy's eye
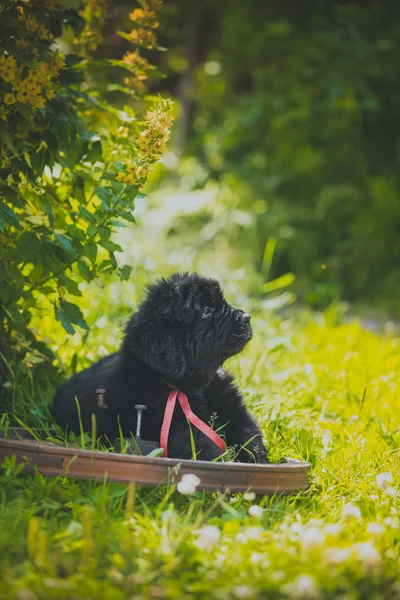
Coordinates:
[208,310]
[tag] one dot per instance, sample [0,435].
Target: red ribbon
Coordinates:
[168,414]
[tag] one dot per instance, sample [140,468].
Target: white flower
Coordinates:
[256,557]
[390,491]
[376,528]
[368,554]
[243,591]
[392,522]
[188,484]
[186,488]
[254,533]
[250,496]
[256,511]
[383,480]
[350,511]
[333,528]
[311,537]
[303,588]
[191,478]
[208,537]
[336,556]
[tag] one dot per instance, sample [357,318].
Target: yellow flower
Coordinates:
[43,33]
[126,179]
[21,44]
[50,94]
[23,96]
[136,83]
[38,102]
[144,17]
[152,4]
[4,114]
[9,99]
[143,37]
[31,24]
[133,59]
[32,87]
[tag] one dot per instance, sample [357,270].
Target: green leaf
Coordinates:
[156,452]
[64,243]
[125,272]
[72,287]
[268,256]
[91,230]
[116,223]
[7,139]
[279,283]
[90,250]
[127,216]
[50,214]
[74,314]
[64,320]
[111,246]
[8,216]
[87,215]
[106,195]
[84,271]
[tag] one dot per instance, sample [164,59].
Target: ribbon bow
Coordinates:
[198,423]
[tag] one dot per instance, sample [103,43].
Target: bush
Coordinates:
[69,170]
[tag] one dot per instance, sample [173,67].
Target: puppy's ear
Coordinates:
[165,355]
[162,350]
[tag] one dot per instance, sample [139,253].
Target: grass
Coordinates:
[322,392]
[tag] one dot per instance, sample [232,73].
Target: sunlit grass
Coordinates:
[323,393]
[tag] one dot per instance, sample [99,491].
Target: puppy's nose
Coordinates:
[244,317]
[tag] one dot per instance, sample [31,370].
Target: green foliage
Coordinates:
[300,105]
[71,164]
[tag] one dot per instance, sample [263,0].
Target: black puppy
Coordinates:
[182,334]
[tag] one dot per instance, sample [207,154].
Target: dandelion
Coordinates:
[208,537]
[383,480]
[249,496]
[256,511]
[350,511]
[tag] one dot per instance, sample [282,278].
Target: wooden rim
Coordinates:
[50,459]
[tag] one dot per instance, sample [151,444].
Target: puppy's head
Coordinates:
[185,327]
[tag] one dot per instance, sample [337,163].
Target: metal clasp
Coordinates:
[100,398]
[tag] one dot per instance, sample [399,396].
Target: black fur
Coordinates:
[182,333]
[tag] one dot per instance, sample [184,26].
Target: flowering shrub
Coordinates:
[73,156]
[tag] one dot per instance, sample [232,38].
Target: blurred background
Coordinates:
[285,156]
[282,175]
